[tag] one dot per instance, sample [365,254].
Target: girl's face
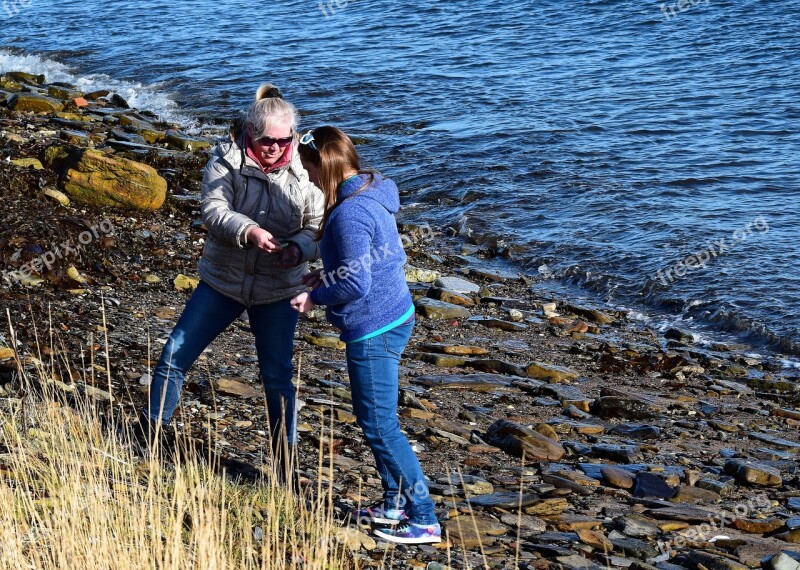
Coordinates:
[313,171]
[271,145]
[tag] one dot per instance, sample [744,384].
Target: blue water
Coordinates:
[601,140]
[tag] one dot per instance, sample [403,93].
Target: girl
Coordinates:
[364,288]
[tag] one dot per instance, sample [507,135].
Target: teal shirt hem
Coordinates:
[388,327]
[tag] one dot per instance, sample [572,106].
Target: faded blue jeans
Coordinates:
[373,365]
[206,315]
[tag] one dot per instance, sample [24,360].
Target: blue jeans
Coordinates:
[206,315]
[373,366]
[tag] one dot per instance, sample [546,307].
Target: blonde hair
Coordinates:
[269,110]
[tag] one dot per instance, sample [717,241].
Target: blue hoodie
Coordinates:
[363,283]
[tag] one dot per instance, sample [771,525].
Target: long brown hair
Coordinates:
[335,155]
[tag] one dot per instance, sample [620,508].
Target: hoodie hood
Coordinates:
[382,190]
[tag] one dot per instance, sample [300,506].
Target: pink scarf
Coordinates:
[282,161]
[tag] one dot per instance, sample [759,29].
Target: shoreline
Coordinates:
[593,398]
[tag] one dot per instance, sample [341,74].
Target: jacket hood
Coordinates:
[382,190]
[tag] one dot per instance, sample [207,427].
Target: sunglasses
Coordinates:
[269,141]
[308,139]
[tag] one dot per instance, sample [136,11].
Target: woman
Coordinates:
[364,288]
[263,215]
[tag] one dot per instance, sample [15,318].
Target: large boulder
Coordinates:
[31,102]
[95,178]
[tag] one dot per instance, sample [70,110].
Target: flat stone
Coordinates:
[230,387]
[785,413]
[472,532]
[713,562]
[495,366]
[439,310]
[636,431]
[682,513]
[419,275]
[776,441]
[616,453]
[457,284]
[527,524]
[722,488]
[550,372]
[617,477]
[723,426]
[564,425]
[595,539]
[751,473]
[610,407]
[455,349]
[520,441]
[577,562]
[793,503]
[416,414]
[324,340]
[639,526]
[591,314]
[473,382]
[548,507]
[493,323]
[563,392]
[508,500]
[650,485]
[634,547]
[695,495]
[781,561]
[792,536]
[562,483]
[573,522]
[758,526]
[441,360]
[31,102]
[450,297]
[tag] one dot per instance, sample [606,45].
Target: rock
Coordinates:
[523,442]
[758,526]
[634,547]
[418,275]
[57,92]
[722,488]
[550,372]
[682,513]
[146,130]
[454,349]
[751,473]
[473,531]
[24,77]
[31,102]
[639,526]
[229,387]
[450,297]
[679,335]
[493,323]
[182,141]
[442,360]
[776,441]
[473,382]
[186,283]
[616,453]
[354,539]
[576,562]
[617,477]
[609,407]
[713,562]
[594,315]
[98,179]
[636,431]
[572,522]
[457,284]
[96,393]
[562,483]
[415,414]
[527,524]
[324,340]
[792,536]
[496,367]
[770,385]
[781,561]
[785,413]
[439,310]
[507,501]
[34,163]
[695,495]
[595,539]
[650,485]
[8,84]
[548,507]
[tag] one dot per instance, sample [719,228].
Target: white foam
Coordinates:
[139,96]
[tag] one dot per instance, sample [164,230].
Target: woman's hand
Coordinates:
[263,240]
[290,257]
[312,280]
[302,303]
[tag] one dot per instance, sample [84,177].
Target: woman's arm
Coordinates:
[313,212]
[216,205]
[353,278]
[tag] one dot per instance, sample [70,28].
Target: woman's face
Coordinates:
[313,171]
[270,146]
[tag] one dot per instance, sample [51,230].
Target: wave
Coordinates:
[143,97]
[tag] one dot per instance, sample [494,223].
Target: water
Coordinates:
[603,141]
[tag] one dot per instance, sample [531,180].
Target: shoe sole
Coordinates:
[421,540]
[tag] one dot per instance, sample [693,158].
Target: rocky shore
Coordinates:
[555,435]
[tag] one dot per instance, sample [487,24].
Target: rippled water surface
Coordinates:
[603,140]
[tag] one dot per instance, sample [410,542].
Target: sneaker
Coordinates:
[410,533]
[377,514]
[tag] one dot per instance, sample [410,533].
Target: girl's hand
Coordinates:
[302,303]
[290,257]
[312,280]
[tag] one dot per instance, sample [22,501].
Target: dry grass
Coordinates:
[74,494]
